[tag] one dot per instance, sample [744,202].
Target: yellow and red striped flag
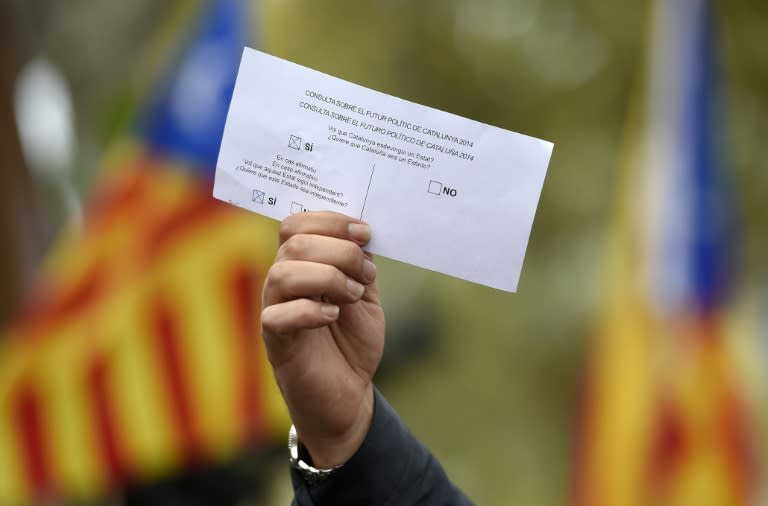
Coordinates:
[665,418]
[137,351]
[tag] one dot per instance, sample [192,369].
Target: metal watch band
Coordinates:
[311,475]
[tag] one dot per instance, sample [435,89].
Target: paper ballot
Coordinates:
[439,191]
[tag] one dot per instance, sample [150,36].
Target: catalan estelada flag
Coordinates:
[137,351]
[664,419]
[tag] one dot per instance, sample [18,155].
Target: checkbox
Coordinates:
[435,187]
[294,142]
[296,207]
[258,196]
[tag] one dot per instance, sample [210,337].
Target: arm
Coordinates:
[390,468]
[323,327]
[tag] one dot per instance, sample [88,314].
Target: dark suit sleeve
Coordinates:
[391,468]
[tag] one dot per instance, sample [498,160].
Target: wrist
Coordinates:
[333,451]
[302,462]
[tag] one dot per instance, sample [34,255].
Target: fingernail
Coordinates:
[369,269]
[359,232]
[354,287]
[330,310]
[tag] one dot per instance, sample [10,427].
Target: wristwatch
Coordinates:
[298,457]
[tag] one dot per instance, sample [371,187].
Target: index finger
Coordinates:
[326,223]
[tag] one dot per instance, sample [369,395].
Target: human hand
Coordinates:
[323,327]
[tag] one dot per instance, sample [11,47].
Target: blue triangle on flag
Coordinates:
[186,113]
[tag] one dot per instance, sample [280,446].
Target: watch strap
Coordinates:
[298,457]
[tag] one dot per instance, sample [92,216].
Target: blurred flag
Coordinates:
[185,117]
[664,417]
[137,352]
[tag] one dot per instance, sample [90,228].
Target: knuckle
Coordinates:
[268,320]
[294,248]
[278,274]
[306,310]
[340,278]
[355,258]
[338,281]
[287,228]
